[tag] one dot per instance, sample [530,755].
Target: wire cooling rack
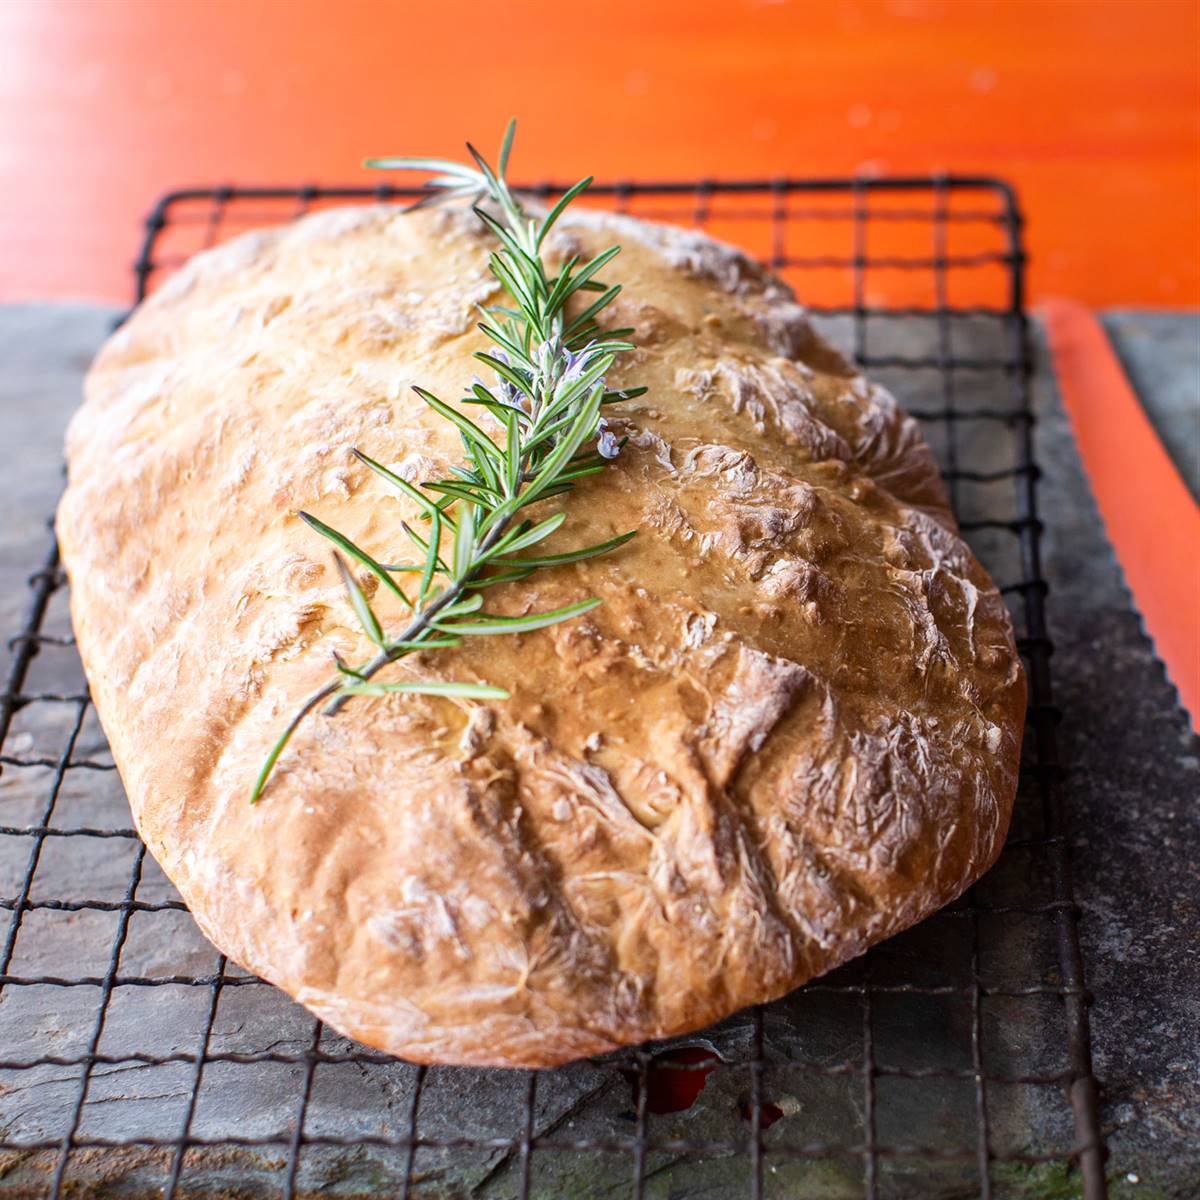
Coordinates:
[951,1061]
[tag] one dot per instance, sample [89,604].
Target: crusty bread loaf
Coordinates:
[791,729]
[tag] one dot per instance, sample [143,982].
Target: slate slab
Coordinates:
[1132,792]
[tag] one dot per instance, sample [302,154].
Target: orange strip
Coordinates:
[1090,107]
[1151,518]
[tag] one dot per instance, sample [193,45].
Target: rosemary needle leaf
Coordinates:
[582,277]
[425,643]
[464,542]
[488,623]
[339,539]
[476,494]
[431,554]
[471,691]
[519,381]
[487,581]
[519,539]
[426,547]
[557,210]
[506,146]
[399,483]
[358,601]
[580,472]
[569,556]
[593,309]
[556,489]
[494,184]
[344,667]
[466,426]
[432,195]
[624,394]
[502,235]
[441,166]
[583,428]
[512,452]
[481,395]
[272,758]
[468,604]
[501,338]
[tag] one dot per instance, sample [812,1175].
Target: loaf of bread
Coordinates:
[791,728]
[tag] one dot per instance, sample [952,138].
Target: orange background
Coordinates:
[1092,107]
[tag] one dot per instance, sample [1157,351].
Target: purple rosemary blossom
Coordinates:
[576,364]
[607,443]
[509,396]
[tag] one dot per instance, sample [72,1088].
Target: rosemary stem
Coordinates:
[418,626]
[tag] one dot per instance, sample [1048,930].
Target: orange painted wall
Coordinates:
[1091,106]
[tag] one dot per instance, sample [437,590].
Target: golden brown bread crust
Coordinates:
[791,729]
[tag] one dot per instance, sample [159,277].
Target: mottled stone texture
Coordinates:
[1132,788]
[1134,780]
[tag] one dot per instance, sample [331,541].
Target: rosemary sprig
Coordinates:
[550,370]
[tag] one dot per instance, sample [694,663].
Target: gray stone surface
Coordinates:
[1133,786]
[1132,793]
[45,350]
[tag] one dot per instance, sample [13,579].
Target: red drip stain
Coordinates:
[674,1079]
[768,1113]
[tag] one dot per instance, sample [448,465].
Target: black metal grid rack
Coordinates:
[951,1061]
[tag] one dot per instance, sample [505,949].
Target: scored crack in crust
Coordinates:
[791,729]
